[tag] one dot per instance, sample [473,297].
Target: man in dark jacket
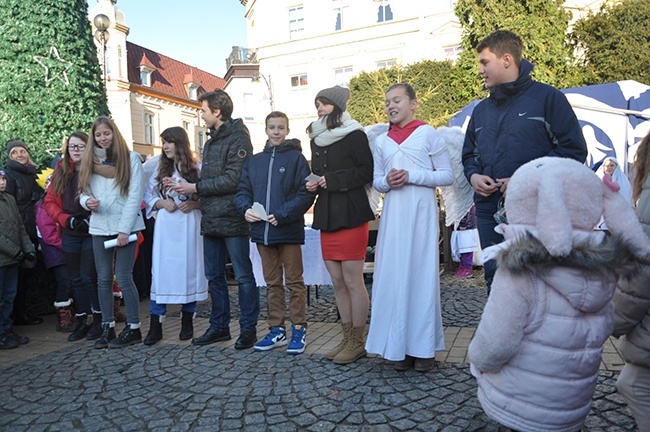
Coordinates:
[520,121]
[225,232]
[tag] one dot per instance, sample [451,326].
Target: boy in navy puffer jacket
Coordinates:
[276,179]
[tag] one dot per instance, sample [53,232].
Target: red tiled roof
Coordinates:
[169,76]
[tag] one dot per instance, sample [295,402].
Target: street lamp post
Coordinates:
[102,23]
[256,78]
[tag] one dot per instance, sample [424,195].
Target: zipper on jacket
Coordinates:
[268,197]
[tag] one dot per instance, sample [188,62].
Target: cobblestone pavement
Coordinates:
[184,387]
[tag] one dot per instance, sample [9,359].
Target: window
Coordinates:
[148,128]
[144,77]
[342,76]
[186,125]
[385,64]
[248,107]
[451,53]
[200,143]
[193,91]
[119,62]
[296,22]
[384,12]
[339,11]
[299,80]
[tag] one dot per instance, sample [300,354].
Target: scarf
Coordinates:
[324,137]
[399,134]
[101,166]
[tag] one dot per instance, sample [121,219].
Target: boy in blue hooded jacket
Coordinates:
[276,178]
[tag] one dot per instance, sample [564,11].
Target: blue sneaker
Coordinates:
[276,337]
[297,344]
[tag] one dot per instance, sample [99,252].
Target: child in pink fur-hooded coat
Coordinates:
[538,346]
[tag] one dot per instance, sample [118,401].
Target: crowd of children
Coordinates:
[537,349]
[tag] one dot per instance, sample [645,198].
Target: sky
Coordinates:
[200,33]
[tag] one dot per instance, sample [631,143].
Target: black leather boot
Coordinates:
[108,334]
[155,330]
[95,330]
[81,329]
[187,325]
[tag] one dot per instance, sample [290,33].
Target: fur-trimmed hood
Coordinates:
[584,277]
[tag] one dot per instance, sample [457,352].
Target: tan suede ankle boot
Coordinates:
[356,347]
[347,328]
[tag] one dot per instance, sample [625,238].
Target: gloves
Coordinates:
[77,224]
[72,223]
[22,256]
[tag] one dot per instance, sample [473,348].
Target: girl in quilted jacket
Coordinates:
[632,307]
[537,349]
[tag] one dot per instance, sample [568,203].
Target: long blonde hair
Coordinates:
[119,154]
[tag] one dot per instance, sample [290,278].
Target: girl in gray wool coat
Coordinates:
[632,307]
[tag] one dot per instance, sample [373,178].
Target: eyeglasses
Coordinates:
[77,147]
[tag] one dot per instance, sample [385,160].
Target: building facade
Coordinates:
[147,91]
[298,47]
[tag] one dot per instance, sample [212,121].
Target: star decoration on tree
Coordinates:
[55,67]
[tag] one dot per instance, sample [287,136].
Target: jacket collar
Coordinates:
[502,92]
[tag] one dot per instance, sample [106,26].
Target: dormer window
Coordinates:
[193,91]
[145,75]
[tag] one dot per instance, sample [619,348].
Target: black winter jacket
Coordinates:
[21,184]
[347,166]
[223,157]
[520,121]
[275,178]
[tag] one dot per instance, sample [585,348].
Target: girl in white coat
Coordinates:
[111,187]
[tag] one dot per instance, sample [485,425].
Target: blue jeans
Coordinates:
[8,288]
[122,260]
[488,237]
[214,257]
[161,309]
[80,261]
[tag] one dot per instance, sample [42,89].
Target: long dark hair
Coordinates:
[184,162]
[65,169]
[333,118]
[641,167]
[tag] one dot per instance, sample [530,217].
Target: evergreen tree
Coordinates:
[50,79]
[542,25]
[613,44]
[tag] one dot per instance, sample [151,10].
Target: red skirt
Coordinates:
[347,244]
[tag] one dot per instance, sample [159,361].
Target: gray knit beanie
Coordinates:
[337,94]
[16,143]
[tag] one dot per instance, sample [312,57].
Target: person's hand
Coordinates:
[322,182]
[184,188]
[20,256]
[92,204]
[169,182]
[311,186]
[122,239]
[272,220]
[504,185]
[483,185]
[166,204]
[188,206]
[251,216]
[30,256]
[397,178]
